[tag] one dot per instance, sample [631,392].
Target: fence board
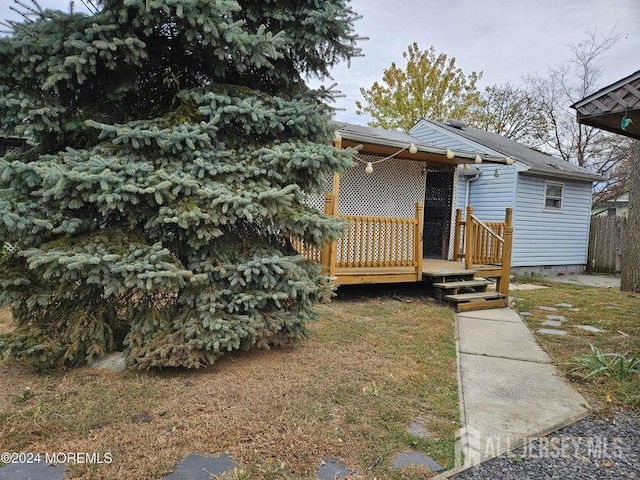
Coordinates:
[606,241]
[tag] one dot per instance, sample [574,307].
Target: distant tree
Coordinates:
[565,84]
[510,111]
[428,85]
[173,145]
[589,147]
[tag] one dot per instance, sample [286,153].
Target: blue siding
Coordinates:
[461,195]
[430,136]
[543,237]
[490,196]
[433,135]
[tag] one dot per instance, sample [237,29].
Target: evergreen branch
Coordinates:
[35,2]
[90,6]
[30,9]
[22,14]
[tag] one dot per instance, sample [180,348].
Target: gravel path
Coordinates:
[593,448]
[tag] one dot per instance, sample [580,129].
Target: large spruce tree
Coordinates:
[171,147]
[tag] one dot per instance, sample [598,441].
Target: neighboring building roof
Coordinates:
[397,139]
[539,163]
[607,107]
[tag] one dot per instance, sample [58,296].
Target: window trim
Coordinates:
[546,196]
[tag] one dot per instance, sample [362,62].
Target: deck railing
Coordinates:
[484,244]
[309,251]
[386,247]
[376,242]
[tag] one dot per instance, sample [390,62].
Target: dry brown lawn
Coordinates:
[616,313]
[371,366]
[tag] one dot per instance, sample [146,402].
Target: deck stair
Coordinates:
[477,301]
[464,290]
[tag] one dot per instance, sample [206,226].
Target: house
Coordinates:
[551,198]
[615,207]
[398,200]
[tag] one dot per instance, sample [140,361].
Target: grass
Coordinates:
[615,312]
[371,367]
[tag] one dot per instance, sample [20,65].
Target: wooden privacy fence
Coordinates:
[606,241]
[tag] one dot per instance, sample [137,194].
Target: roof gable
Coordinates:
[537,162]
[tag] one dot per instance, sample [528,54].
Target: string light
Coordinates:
[369,165]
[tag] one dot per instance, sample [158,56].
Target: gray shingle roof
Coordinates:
[538,162]
[395,138]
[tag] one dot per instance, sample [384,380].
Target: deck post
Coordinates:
[503,285]
[417,239]
[327,258]
[469,233]
[503,282]
[456,236]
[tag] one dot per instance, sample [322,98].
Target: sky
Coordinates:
[505,40]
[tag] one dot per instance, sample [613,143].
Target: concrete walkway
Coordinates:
[603,281]
[510,392]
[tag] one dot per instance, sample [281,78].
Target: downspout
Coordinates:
[467,186]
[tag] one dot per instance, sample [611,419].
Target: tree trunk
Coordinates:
[630,281]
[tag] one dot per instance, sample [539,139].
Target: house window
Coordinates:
[553,196]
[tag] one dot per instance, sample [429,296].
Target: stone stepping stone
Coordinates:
[116,362]
[564,305]
[526,314]
[419,429]
[332,469]
[31,471]
[199,467]
[558,318]
[589,328]
[551,331]
[412,458]
[548,309]
[552,323]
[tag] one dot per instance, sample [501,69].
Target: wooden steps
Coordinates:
[463,290]
[477,301]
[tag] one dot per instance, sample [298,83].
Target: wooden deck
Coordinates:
[434,267]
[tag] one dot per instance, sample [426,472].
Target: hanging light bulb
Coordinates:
[450,154]
[510,161]
[496,173]
[369,168]
[465,168]
[412,148]
[478,159]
